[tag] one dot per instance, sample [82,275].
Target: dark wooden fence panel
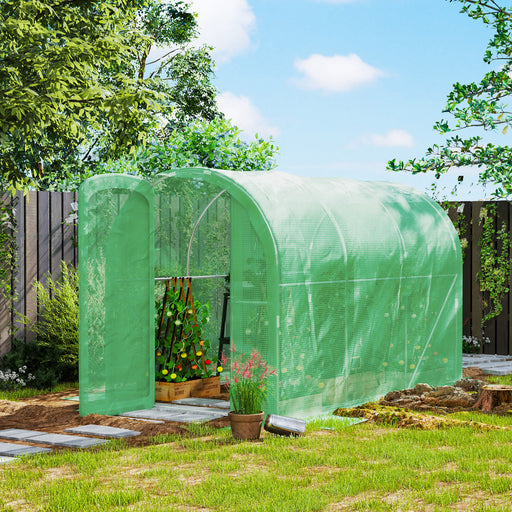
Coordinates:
[5,311]
[44,239]
[498,329]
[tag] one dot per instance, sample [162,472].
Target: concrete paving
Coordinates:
[180,413]
[32,436]
[18,434]
[491,364]
[203,402]
[66,440]
[103,431]
[5,460]
[14,450]
[497,371]
[145,420]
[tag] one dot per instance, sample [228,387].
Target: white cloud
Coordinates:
[391,139]
[226,27]
[338,73]
[245,115]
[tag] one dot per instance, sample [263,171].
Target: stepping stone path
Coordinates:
[187,410]
[34,436]
[490,364]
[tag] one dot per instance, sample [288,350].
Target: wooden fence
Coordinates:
[44,239]
[467,217]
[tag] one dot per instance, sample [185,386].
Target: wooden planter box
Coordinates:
[198,388]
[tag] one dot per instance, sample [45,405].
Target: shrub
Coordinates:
[53,356]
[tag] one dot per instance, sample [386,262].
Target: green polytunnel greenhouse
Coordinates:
[349,289]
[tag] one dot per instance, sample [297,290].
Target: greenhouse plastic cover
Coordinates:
[349,289]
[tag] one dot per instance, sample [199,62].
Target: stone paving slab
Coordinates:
[484,356]
[480,360]
[490,364]
[103,431]
[203,402]
[66,440]
[147,420]
[498,371]
[18,434]
[13,450]
[502,368]
[496,365]
[5,460]
[180,413]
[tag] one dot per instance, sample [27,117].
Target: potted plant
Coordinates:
[247,390]
[183,366]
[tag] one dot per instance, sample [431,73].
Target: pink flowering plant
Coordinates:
[248,382]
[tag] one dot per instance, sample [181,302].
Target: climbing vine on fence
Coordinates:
[494,242]
[7,245]
[494,275]
[458,219]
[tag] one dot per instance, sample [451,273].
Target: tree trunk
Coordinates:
[493,396]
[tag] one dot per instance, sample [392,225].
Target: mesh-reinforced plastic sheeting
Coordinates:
[349,289]
[116,282]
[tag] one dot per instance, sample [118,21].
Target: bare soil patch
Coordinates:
[475,373]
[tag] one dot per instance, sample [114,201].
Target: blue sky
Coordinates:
[343,85]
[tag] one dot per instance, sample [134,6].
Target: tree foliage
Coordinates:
[182,72]
[214,144]
[477,105]
[76,84]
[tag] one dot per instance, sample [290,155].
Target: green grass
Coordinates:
[335,466]
[359,467]
[30,392]
[505,380]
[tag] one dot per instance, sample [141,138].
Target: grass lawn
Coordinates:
[28,392]
[361,467]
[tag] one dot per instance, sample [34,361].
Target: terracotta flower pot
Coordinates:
[246,426]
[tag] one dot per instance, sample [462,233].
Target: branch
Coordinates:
[90,149]
[142,67]
[162,57]
[479,125]
[497,8]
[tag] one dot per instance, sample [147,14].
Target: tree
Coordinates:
[477,105]
[75,85]
[214,144]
